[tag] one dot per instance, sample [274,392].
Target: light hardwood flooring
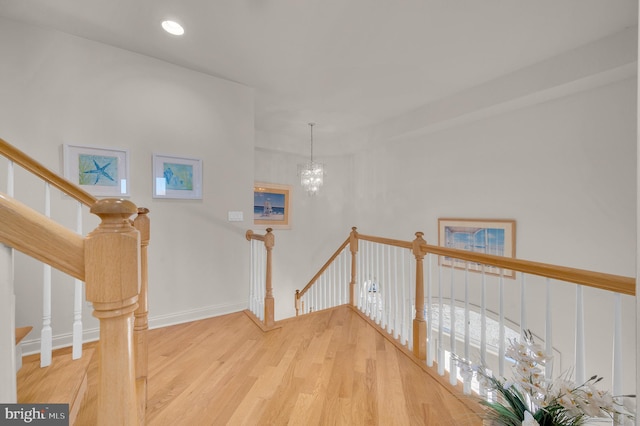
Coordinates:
[326,368]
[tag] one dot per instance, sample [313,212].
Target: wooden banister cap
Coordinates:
[113,206]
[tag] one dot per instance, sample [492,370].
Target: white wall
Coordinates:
[56,89]
[563,169]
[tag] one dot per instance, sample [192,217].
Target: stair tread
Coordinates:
[21,333]
[63,382]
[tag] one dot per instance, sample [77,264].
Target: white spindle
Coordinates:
[429,313]
[580,343]
[10,185]
[617,345]
[8,392]
[46,334]
[7,316]
[548,334]
[453,367]
[405,322]
[394,294]
[501,346]
[387,293]
[523,304]
[467,327]
[378,275]
[440,324]
[483,326]
[77,300]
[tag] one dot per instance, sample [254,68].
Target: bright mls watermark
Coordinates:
[34,414]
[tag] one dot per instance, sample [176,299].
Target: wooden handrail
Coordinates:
[31,165]
[603,281]
[324,267]
[609,282]
[41,238]
[388,241]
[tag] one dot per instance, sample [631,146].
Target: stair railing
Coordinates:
[261,301]
[436,308]
[112,260]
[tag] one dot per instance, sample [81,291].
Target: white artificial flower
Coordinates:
[529,420]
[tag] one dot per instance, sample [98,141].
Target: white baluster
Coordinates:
[403,278]
[483,325]
[430,346]
[548,334]
[46,334]
[387,292]
[77,300]
[8,330]
[440,324]
[580,351]
[501,346]
[467,326]
[8,360]
[617,345]
[396,291]
[453,368]
[523,305]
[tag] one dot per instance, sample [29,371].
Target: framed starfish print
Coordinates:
[177,177]
[103,172]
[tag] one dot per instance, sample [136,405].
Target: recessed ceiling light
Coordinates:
[172,27]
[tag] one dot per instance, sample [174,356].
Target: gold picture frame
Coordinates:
[272,205]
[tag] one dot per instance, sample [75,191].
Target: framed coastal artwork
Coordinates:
[177,177]
[489,236]
[103,172]
[272,205]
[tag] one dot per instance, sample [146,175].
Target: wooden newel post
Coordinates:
[297,301]
[112,275]
[353,247]
[141,323]
[419,323]
[269,242]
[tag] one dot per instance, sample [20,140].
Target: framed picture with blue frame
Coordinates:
[177,177]
[489,236]
[103,172]
[272,205]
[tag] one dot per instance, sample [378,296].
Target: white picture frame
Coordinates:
[177,177]
[103,172]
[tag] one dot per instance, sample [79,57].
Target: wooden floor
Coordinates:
[327,368]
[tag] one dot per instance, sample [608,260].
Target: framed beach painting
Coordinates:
[272,205]
[177,177]
[103,172]
[489,236]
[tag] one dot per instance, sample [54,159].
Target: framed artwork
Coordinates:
[103,172]
[177,177]
[488,236]
[272,205]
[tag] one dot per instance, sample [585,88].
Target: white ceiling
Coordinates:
[344,64]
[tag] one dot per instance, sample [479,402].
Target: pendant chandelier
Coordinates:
[311,174]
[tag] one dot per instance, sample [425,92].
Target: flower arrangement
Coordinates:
[530,399]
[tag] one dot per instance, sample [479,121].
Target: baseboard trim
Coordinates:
[32,346]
